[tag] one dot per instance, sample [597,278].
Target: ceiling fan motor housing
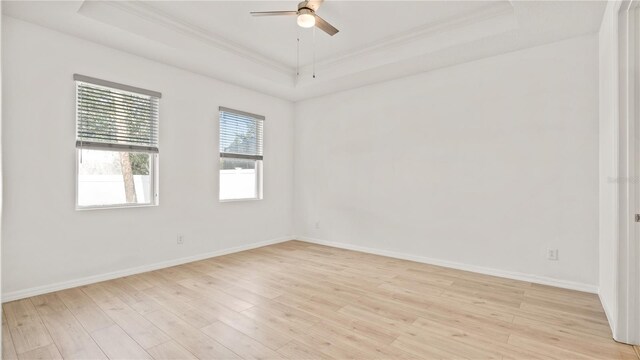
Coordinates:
[304,9]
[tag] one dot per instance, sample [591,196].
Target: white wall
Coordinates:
[609,180]
[485,164]
[46,241]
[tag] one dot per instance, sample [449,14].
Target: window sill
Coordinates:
[115,206]
[239,200]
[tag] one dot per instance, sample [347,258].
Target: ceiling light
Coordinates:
[306,19]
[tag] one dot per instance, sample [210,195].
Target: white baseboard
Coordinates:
[39,290]
[565,284]
[610,319]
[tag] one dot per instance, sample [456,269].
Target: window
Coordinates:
[116,144]
[240,155]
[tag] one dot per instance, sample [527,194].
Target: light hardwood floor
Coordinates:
[298,300]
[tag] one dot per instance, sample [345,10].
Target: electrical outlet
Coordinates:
[180,240]
[552,254]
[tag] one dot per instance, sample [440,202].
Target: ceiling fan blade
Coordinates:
[314,4]
[273,13]
[325,26]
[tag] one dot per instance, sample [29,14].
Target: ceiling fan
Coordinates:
[306,14]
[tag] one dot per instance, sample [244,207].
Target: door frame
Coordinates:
[627,327]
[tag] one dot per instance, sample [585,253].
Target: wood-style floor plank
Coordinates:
[26,327]
[190,337]
[262,333]
[137,326]
[297,300]
[117,344]
[170,351]
[70,337]
[48,352]
[85,310]
[239,343]
[8,350]
[297,350]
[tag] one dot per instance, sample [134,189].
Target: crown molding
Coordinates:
[414,35]
[498,9]
[409,48]
[172,23]
[147,30]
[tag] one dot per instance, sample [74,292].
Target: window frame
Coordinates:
[154,163]
[258,162]
[258,196]
[153,172]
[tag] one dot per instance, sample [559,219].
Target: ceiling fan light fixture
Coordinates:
[306,19]
[305,16]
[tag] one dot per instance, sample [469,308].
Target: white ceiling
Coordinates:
[378,40]
[275,37]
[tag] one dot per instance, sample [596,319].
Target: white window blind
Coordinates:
[240,134]
[113,116]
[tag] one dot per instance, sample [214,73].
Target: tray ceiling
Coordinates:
[378,40]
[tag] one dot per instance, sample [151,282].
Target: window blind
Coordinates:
[115,116]
[240,134]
